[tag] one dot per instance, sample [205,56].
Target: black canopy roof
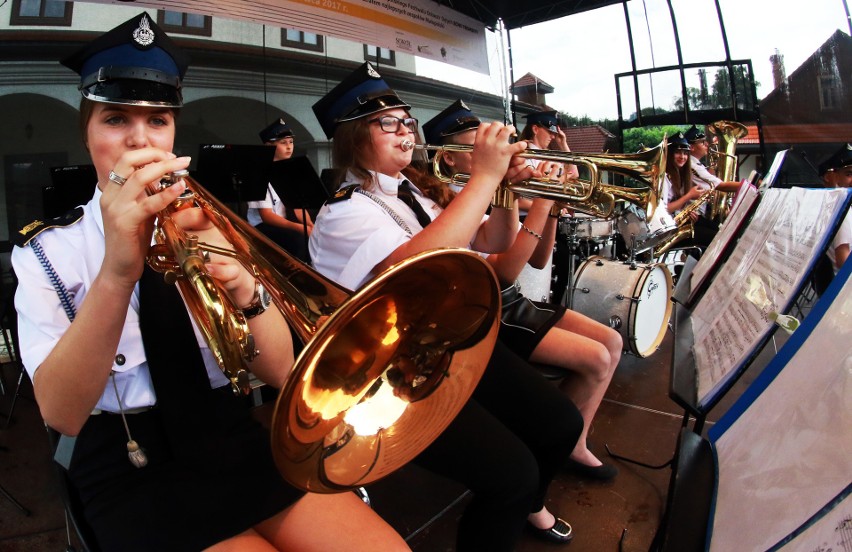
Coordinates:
[520,13]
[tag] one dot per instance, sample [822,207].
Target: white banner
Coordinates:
[418,27]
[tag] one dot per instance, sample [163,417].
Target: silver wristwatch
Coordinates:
[259,303]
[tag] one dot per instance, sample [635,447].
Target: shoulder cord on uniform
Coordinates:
[64,296]
[63,453]
[396,218]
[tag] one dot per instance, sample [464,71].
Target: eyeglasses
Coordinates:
[389,123]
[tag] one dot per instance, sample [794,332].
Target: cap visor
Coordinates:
[134,92]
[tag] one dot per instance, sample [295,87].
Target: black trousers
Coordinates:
[506,446]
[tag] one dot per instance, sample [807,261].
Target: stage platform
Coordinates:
[637,420]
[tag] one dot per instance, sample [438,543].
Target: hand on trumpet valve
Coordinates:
[493,153]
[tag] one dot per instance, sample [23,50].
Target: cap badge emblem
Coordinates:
[143,35]
[463,105]
[372,72]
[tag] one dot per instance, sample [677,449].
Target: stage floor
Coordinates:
[637,420]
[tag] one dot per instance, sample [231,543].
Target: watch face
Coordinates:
[265,298]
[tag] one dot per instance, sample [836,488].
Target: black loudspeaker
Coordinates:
[70,186]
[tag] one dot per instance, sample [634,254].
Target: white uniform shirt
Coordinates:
[352,236]
[703,179]
[843,236]
[271,201]
[661,217]
[76,253]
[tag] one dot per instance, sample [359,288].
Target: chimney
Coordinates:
[779,75]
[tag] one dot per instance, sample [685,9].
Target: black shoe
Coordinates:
[604,472]
[560,533]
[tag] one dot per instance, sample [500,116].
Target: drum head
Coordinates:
[653,310]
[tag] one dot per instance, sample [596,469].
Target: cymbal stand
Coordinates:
[573,248]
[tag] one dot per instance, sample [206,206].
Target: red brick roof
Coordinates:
[530,80]
[589,139]
[799,133]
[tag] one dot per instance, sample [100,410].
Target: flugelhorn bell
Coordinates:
[384,370]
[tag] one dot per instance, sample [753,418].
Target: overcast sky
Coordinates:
[580,54]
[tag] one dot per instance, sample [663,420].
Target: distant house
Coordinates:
[591,139]
[811,111]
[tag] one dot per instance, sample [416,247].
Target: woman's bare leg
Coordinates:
[320,523]
[590,351]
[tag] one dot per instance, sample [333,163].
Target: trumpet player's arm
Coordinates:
[728,186]
[73,375]
[841,254]
[570,171]
[461,224]
[270,217]
[269,329]
[528,247]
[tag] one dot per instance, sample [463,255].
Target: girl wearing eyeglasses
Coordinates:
[509,440]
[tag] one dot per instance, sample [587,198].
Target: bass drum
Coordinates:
[634,299]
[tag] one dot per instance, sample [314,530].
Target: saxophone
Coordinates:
[683,220]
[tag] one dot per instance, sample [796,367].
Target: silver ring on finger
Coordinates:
[116,178]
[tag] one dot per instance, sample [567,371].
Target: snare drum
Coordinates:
[586,228]
[632,226]
[662,227]
[634,299]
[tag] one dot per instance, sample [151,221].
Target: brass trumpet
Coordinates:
[384,370]
[590,196]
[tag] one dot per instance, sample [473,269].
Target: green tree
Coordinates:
[647,137]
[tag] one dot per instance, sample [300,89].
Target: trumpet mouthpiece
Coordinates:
[406,145]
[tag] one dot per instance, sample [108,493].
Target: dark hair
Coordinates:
[680,177]
[351,142]
[527,133]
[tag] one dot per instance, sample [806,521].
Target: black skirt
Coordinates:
[524,323]
[226,486]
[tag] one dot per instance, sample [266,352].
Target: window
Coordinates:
[829,91]
[185,23]
[54,13]
[302,40]
[379,56]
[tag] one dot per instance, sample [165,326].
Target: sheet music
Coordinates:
[784,451]
[759,279]
[773,171]
[745,199]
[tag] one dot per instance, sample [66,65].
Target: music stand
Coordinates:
[799,487]
[298,185]
[234,173]
[70,186]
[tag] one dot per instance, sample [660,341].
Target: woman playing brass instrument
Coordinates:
[509,440]
[681,191]
[541,332]
[116,361]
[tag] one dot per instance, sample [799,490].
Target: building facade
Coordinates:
[242,75]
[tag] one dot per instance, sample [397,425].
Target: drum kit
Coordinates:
[605,269]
